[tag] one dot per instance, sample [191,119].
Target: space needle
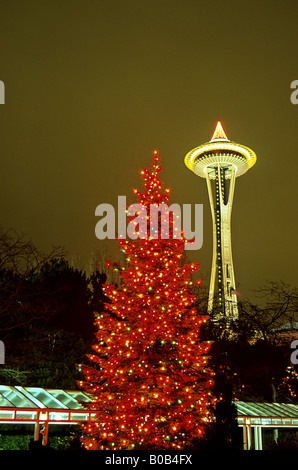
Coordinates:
[220,161]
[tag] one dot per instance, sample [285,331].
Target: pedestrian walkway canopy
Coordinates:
[26,403]
[253,417]
[43,407]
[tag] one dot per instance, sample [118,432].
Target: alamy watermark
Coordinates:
[294,355]
[2,92]
[146,225]
[294,94]
[2,353]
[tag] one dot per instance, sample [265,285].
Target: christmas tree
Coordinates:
[149,375]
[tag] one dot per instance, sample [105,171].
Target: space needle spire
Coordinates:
[220,161]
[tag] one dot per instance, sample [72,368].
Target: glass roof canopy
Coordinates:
[278,410]
[43,407]
[253,417]
[39,406]
[267,414]
[36,397]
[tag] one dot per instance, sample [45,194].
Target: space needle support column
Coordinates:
[225,242]
[214,253]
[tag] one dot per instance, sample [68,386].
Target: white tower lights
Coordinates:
[221,161]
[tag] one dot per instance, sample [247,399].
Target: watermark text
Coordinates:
[2,353]
[151,225]
[294,355]
[2,92]
[294,94]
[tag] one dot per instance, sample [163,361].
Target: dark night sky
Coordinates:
[93,87]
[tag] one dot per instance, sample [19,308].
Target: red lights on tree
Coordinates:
[148,373]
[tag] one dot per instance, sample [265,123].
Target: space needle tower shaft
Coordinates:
[220,161]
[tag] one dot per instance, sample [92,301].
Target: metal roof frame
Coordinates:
[267,410]
[40,398]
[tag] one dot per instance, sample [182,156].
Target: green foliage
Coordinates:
[12,376]
[14,442]
[60,440]
[18,437]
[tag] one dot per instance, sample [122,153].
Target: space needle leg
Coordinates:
[214,253]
